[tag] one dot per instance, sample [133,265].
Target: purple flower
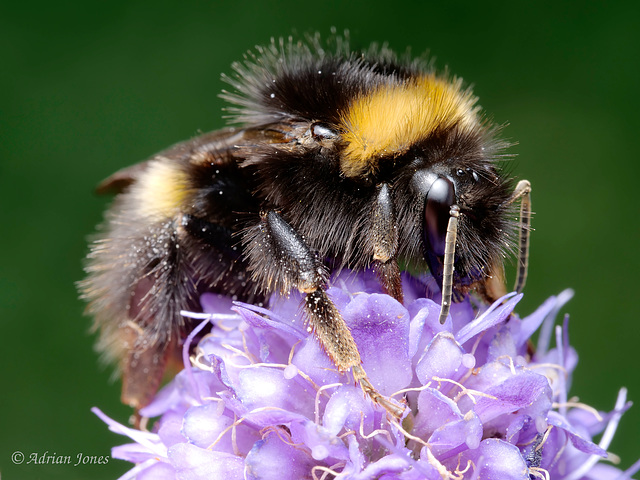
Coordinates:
[261,400]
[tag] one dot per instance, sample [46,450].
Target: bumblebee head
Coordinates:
[480,200]
[428,130]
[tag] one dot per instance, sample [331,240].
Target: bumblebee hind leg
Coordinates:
[280,260]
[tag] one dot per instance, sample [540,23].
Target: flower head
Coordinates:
[261,399]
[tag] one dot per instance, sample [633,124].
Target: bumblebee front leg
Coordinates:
[280,260]
[383,236]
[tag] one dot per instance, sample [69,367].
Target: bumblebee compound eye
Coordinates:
[439,237]
[438,202]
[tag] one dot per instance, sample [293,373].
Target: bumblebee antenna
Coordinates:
[523,192]
[449,256]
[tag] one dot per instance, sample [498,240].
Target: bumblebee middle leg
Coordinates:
[280,260]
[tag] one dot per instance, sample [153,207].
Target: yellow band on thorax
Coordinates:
[387,121]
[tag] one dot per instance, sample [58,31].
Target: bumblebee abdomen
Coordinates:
[153,257]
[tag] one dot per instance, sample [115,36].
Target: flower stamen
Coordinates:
[239,353]
[231,428]
[581,405]
[326,470]
[539,472]
[320,391]
[407,434]
[412,389]
[464,390]
[378,431]
[293,349]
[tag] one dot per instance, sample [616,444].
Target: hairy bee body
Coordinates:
[342,159]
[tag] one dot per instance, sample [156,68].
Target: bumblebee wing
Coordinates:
[213,147]
[122,179]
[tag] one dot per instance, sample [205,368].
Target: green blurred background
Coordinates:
[86,89]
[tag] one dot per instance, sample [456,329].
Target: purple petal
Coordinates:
[544,338]
[273,459]
[157,471]
[524,427]
[322,443]
[267,387]
[168,397]
[582,444]
[313,361]
[530,324]
[266,417]
[434,411]
[148,440]
[495,314]
[206,425]
[419,311]
[133,452]
[502,346]
[603,471]
[268,319]
[386,468]
[414,288]
[203,424]
[461,314]
[497,459]
[380,327]
[348,408]
[215,303]
[170,428]
[443,359]
[195,463]
[456,436]
[139,471]
[516,392]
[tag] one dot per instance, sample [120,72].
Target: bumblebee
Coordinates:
[338,159]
